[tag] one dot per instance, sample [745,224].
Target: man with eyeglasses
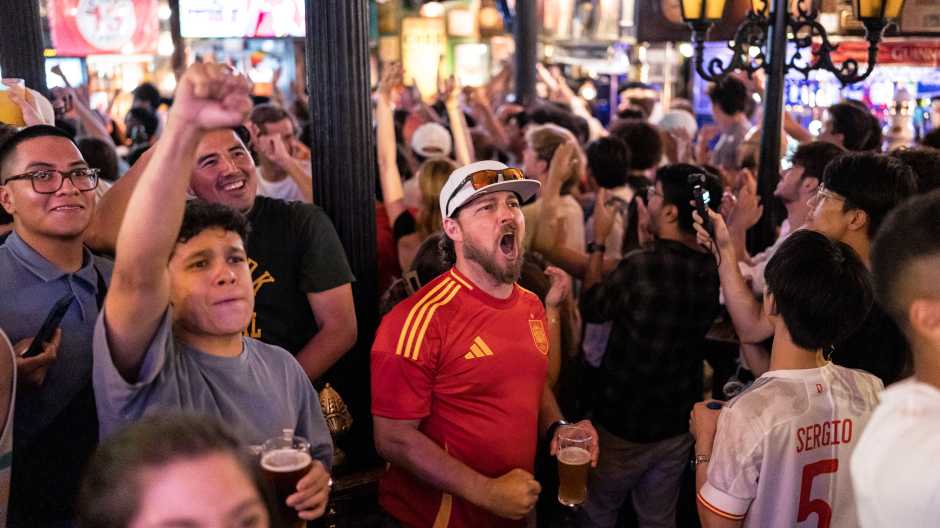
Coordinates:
[48,188]
[459,397]
[858,191]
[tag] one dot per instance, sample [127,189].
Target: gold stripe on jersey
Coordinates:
[461,281]
[427,320]
[420,304]
[486,350]
[716,511]
[476,351]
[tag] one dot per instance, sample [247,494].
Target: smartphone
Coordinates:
[702,199]
[49,326]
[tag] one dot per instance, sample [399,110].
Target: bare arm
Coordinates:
[458,124]
[208,97]
[102,234]
[389,177]
[703,425]
[402,443]
[558,169]
[747,314]
[337,330]
[561,284]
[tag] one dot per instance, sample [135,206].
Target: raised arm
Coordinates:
[208,97]
[747,314]
[102,234]
[389,177]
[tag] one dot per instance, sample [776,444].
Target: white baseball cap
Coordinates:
[431,140]
[459,190]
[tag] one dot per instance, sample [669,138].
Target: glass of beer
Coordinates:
[284,461]
[574,461]
[10,112]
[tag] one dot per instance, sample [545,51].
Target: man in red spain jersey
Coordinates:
[458,370]
[778,454]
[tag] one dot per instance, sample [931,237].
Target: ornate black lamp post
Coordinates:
[766,29]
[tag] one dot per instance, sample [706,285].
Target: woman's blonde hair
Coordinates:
[432,175]
[544,140]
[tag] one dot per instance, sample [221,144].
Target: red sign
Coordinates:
[909,53]
[92,27]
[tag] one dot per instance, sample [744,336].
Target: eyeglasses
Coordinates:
[485,177]
[49,181]
[821,193]
[651,192]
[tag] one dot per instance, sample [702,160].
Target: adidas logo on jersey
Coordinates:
[478,349]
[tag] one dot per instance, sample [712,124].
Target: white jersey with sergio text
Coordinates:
[782,450]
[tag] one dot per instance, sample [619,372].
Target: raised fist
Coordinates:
[211,96]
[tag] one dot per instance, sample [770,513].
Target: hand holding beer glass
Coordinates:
[284,461]
[574,461]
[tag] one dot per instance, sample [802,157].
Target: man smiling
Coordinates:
[48,188]
[458,369]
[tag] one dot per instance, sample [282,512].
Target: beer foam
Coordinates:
[574,456]
[284,460]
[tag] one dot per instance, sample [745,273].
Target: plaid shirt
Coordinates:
[662,300]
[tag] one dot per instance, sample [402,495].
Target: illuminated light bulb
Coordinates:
[432,10]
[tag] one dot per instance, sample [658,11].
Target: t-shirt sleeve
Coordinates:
[118,401]
[322,259]
[404,365]
[734,467]
[311,424]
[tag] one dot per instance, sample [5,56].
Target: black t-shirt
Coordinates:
[293,249]
[877,347]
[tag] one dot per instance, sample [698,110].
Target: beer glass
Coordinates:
[284,461]
[10,112]
[574,461]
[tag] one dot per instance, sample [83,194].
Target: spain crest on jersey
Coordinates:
[539,335]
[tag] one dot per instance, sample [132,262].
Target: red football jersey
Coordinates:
[472,367]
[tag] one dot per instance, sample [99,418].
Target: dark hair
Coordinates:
[148,93]
[8,149]
[632,113]
[874,183]
[679,192]
[100,155]
[644,141]
[448,253]
[925,162]
[853,123]
[814,157]
[6,132]
[875,137]
[201,215]
[270,113]
[821,287]
[147,119]
[609,161]
[910,234]
[115,480]
[554,114]
[729,94]
[931,139]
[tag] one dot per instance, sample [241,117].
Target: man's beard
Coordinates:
[487,261]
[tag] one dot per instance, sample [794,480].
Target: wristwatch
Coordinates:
[700,459]
[552,428]
[594,246]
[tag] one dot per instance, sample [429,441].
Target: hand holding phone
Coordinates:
[49,326]
[702,199]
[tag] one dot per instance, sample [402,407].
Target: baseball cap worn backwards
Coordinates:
[431,140]
[483,177]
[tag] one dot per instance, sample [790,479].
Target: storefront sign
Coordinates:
[89,27]
[423,41]
[910,53]
[920,16]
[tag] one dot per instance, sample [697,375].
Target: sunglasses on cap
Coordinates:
[483,178]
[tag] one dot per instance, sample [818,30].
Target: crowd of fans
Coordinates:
[196,214]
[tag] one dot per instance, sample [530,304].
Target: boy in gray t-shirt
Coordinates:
[170,334]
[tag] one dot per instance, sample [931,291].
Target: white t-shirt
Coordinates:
[896,465]
[782,449]
[285,189]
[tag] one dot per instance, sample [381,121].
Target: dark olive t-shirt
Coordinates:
[293,250]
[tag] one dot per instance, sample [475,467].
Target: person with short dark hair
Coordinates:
[172,468]
[49,189]
[281,174]
[170,335]
[771,456]
[729,101]
[925,162]
[100,154]
[893,467]
[875,136]
[645,143]
[662,300]
[931,139]
[846,125]
[147,96]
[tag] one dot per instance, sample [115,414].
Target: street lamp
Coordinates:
[766,28]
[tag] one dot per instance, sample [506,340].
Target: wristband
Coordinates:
[595,247]
[552,428]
